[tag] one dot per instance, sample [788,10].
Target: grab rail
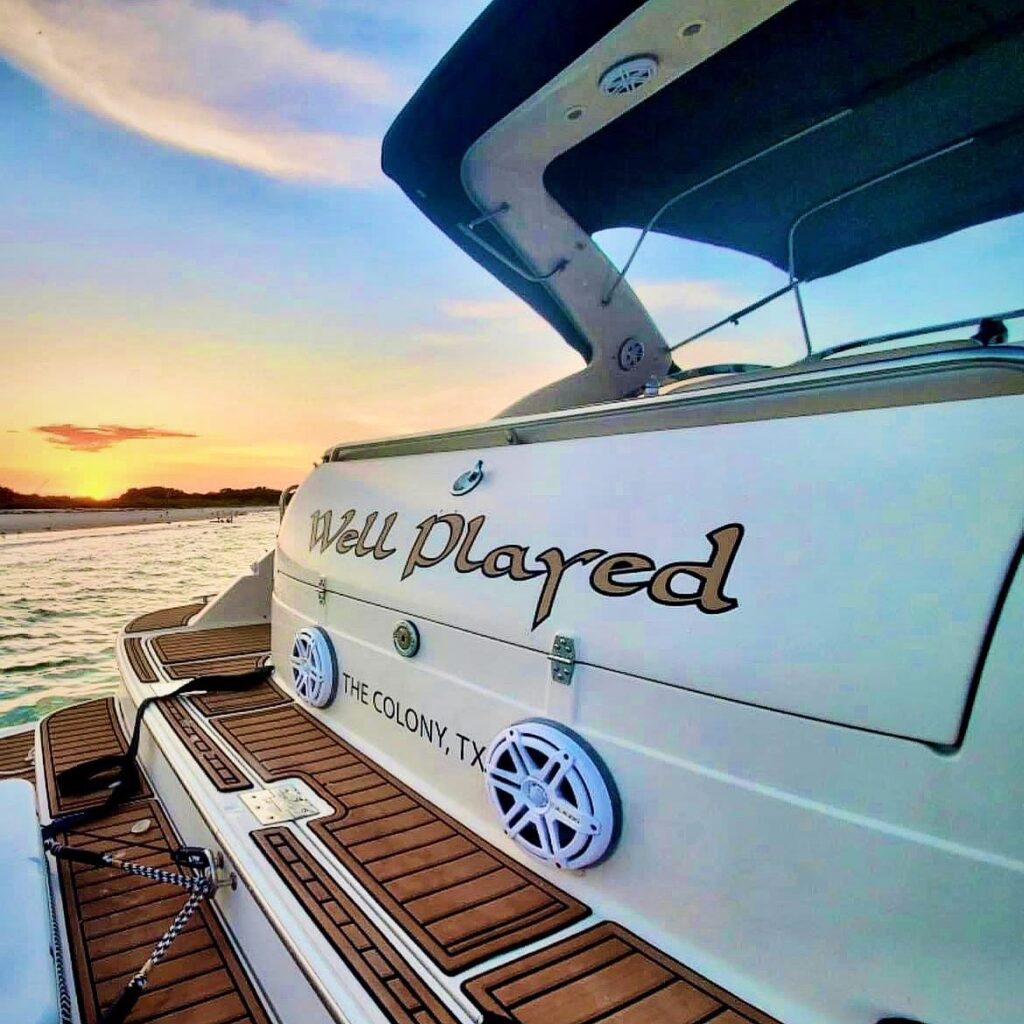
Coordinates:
[286,496]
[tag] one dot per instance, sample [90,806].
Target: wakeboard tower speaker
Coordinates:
[314,667]
[555,796]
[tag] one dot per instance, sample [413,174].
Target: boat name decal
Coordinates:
[613,574]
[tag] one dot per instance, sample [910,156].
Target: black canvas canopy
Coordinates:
[902,81]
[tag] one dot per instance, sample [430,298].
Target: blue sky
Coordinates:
[197,239]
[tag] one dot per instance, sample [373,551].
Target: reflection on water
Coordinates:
[63,597]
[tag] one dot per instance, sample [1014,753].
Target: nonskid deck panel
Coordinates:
[76,734]
[460,898]
[17,757]
[384,972]
[264,695]
[228,650]
[608,975]
[113,920]
[218,768]
[203,644]
[139,660]
[165,618]
[230,666]
[206,751]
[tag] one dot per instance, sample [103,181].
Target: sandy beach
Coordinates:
[33,521]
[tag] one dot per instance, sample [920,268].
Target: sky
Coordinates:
[205,280]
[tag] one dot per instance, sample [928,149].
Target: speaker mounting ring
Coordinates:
[556,798]
[314,667]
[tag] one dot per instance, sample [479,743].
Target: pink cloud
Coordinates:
[95,439]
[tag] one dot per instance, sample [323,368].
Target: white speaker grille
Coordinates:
[314,667]
[556,798]
[628,75]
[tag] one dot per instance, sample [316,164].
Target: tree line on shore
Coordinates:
[145,497]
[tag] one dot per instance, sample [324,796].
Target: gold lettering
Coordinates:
[319,520]
[329,538]
[361,549]
[709,596]
[557,564]
[346,542]
[463,563]
[514,556]
[603,580]
[379,551]
[416,559]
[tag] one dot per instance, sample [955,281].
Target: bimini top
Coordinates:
[753,126]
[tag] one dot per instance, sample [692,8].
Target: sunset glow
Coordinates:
[207,281]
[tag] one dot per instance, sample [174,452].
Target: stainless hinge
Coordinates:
[563,659]
[272,806]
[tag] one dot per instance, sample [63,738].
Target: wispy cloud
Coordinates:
[486,309]
[696,295]
[96,439]
[212,81]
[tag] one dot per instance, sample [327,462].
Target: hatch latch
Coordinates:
[563,659]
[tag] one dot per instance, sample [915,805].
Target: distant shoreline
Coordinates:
[19,521]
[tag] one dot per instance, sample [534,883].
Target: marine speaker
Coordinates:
[556,798]
[314,667]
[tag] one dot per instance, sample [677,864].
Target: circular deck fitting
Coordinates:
[556,798]
[406,638]
[314,667]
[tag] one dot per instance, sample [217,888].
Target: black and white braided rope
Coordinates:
[176,928]
[190,882]
[199,887]
[193,884]
[121,1008]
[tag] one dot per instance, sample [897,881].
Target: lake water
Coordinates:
[64,596]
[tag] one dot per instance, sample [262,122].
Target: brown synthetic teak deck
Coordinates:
[113,919]
[17,756]
[238,665]
[265,695]
[208,753]
[384,972]
[607,975]
[228,650]
[219,770]
[462,899]
[205,644]
[166,618]
[139,660]
[77,734]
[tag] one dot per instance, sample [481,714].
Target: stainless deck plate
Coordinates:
[273,806]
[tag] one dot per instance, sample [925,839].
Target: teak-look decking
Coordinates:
[462,900]
[114,919]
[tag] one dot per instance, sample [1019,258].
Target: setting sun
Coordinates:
[96,483]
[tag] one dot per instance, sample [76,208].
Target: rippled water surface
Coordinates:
[64,596]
